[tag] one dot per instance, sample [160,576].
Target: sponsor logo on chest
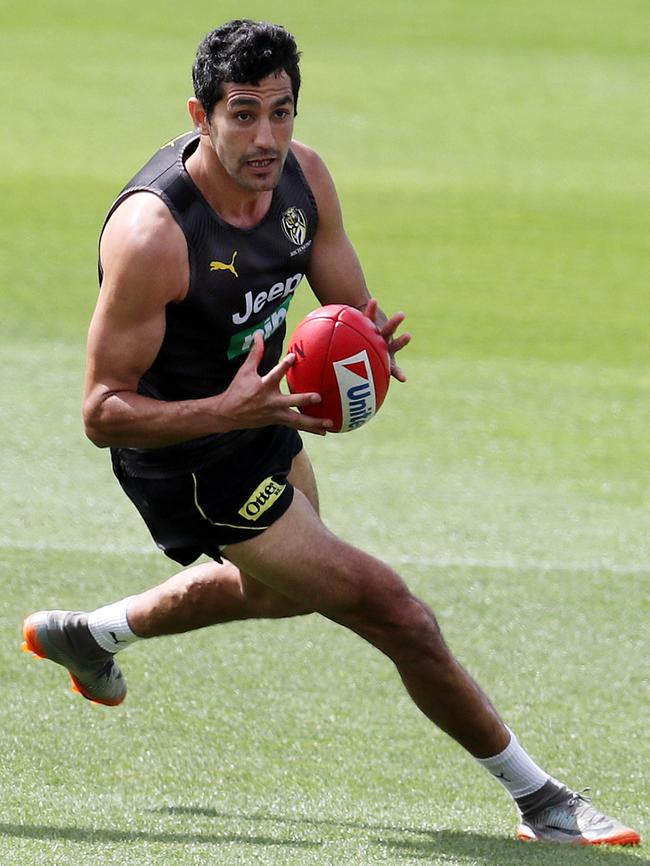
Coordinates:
[256,303]
[270,303]
[242,340]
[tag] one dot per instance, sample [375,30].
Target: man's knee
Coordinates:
[417,633]
[398,623]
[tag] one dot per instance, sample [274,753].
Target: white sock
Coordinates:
[515,769]
[110,626]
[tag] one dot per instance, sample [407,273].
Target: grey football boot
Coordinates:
[570,818]
[63,636]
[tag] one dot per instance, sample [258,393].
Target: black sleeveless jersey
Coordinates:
[241,281]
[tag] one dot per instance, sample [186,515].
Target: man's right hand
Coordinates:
[252,400]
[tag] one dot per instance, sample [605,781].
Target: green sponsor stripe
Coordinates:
[243,340]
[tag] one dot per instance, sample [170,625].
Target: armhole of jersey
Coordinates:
[305,183]
[127,193]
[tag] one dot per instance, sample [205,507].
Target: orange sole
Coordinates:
[31,645]
[629,838]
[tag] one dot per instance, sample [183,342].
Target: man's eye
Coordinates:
[281,113]
[243,116]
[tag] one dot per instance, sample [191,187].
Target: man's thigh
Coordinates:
[301,559]
[302,477]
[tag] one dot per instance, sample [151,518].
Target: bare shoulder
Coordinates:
[306,156]
[317,176]
[312,164]
[142,242]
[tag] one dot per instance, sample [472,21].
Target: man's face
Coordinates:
[250,129]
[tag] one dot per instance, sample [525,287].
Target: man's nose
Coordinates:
[264,134]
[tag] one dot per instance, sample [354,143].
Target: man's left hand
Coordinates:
[387,328]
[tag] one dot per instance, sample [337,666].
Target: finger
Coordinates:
[395,346]
[318,426]
[371,310]
[306,423]
[299,400]
[391,325]
[399,343]
[277,373]
[256,352]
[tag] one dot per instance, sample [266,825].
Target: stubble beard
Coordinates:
[263,183]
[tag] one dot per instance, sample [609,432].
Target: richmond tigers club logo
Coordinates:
[294,225]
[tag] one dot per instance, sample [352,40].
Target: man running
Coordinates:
[200,257]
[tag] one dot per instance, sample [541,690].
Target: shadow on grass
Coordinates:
[421,843]
[478,848]
[99,835]
[409,842]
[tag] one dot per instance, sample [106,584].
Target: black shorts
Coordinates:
[235,497]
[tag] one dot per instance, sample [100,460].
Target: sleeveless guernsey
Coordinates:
[241,281]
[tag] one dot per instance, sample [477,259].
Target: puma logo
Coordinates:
[222,266]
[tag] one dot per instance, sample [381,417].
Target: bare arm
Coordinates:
[335,273]
[144,256]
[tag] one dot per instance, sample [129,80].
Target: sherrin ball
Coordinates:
[341,356]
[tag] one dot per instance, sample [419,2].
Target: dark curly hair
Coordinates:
[243,51]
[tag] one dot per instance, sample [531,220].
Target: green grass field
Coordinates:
[493,163]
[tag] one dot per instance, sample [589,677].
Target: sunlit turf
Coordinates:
[492,160]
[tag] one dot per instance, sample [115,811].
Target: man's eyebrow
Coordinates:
[243,101]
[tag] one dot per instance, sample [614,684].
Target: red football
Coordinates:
[341,356]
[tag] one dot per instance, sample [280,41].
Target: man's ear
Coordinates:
[198,115]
